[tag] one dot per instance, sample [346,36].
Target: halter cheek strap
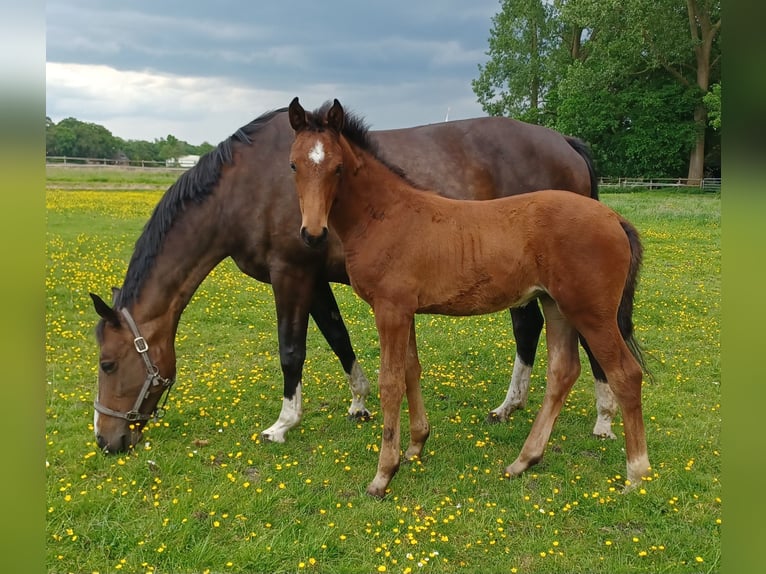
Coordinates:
[153,379]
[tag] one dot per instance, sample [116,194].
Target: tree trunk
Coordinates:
[703,32]
[697,159]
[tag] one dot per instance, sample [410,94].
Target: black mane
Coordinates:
[192,188]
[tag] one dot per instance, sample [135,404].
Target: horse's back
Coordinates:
[485,158]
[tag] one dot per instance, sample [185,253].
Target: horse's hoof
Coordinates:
[605,435]
[361,416]
[273,437]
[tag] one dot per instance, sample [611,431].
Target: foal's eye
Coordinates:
[292,166]
[339,169]
[108,367]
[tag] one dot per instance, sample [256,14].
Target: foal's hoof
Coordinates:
[494,418]
[376,492]
[361,416]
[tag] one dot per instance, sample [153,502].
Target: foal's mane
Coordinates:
[355,130]
[192,188]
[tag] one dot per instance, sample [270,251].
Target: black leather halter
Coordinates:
[153,379]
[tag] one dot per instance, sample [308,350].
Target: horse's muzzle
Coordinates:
[314,241]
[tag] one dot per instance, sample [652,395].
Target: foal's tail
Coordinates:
[582,148]
[625,312]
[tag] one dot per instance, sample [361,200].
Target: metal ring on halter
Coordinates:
[153,379]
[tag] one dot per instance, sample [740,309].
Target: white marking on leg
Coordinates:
[606,408]
[317,153]
[637,469]
[289,417]
[360,390]
[518,389]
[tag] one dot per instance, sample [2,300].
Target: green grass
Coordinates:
[205,494]
[108,177]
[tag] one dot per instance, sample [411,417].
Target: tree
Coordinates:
[522,49]
[611,69]
[73,138]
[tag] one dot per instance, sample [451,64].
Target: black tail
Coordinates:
[625,312]
[584,150]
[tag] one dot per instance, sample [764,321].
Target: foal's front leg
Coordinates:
[419,427]
[394,333]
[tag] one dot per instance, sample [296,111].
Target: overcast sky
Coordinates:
[199,70]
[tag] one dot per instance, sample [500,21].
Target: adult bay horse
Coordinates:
[411,251]
[239,202]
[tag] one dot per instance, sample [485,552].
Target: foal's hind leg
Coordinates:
[624,375]
[563,370]
[527,324]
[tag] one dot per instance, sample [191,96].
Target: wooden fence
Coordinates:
[712,184]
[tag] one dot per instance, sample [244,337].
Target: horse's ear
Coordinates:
[105,311]
[335,116]
[297,115]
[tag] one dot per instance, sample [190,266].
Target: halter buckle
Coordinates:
[132,416]
[141,345]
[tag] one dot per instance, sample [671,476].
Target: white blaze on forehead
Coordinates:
[317,153]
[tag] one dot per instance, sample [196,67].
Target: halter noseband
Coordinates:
[153,379]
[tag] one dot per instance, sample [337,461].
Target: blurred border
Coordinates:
[743,326]
[22,286]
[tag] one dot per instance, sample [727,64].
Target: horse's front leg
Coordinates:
[292,294]
[419,427]
[394,333]
[324,310]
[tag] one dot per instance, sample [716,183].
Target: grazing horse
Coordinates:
[239,202]
[411,251]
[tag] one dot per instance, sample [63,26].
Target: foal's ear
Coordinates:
[105,311]
[335,116]
[297,115]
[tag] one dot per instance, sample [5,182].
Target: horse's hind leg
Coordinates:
[527,324]
[324,310]
[419,428]
[606,402]
[563,370]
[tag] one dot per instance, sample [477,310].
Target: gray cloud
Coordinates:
[401,63]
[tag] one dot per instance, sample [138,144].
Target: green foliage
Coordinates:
[74,138]
[713,103]
[204,493]
[622,75]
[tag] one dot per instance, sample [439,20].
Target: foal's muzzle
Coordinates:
[314,241]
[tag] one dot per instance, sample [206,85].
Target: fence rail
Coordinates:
[92,162]
[706,184]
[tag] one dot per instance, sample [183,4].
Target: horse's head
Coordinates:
[129,381]
[317,159]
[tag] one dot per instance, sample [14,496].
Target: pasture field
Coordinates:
[203,493]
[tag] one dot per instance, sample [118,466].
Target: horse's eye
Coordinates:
[292,166]
[339,169]
[108,367]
